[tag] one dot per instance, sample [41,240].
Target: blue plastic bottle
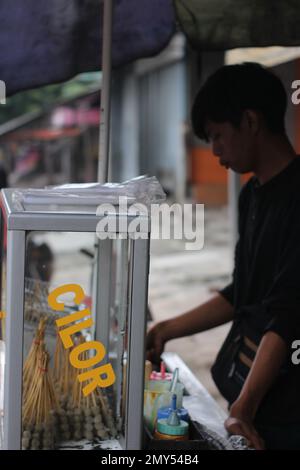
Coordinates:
[165,411]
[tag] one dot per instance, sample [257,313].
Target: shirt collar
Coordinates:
[278,179]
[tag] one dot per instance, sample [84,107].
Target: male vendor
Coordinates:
[241,110]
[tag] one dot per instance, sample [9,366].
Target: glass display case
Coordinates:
[73,319]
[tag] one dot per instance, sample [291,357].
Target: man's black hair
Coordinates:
[232,89]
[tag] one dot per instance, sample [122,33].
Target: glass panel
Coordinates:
[56,413]
[120,298]
[2,319]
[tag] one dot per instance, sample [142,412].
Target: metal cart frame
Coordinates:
[18,223]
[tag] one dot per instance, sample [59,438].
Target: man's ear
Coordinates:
[252,120]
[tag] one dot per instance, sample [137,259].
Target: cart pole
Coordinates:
[104,134]
[103,254]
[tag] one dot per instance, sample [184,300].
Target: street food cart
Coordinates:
[60,270]
[49,239]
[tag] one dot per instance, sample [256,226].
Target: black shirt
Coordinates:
[265,290]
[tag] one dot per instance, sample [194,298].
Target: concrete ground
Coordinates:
[181,280]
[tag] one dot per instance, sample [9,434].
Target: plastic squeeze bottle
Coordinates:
[172,428]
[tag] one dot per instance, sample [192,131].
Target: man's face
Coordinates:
[235,147]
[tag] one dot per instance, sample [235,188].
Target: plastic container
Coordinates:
[162,375]
[160,436]
[164,413]
[148,371]
[158,376]
[157,395]
[172,428]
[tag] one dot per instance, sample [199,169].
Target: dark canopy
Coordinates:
[47,41]
[227,24]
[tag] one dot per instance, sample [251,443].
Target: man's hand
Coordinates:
[244,427]
[155,343]
[214,312]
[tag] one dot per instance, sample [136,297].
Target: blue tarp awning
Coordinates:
[44,41]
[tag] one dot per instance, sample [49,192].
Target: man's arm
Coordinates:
[215,312]
[270,356]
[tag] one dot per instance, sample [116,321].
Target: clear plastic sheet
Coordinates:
[239,443]
[143,189]
[210,420]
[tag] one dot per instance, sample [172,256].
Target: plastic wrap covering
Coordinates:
[143,189]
